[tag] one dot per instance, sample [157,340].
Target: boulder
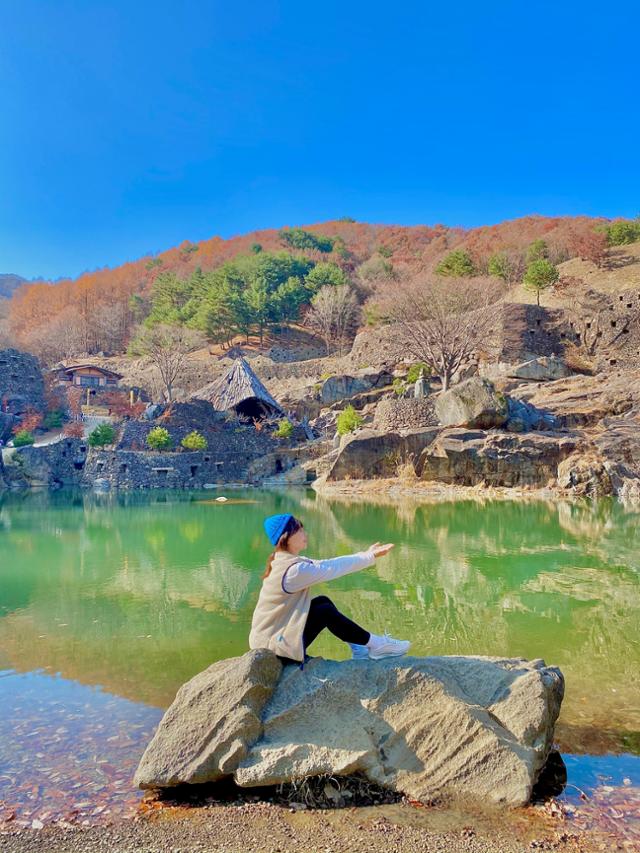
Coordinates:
[213,720]
[473,457]
[523,417]
[369,453]
[424,727]
[473,403]
[542,369]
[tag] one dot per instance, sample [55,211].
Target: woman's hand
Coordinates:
[380,550]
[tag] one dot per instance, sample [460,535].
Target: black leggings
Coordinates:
[324,614]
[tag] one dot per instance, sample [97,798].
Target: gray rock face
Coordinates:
[543,369]
[21,383]
[342,387]
[467,457]
[7,422]
[213,720]
[368,453]
[474,403]
[426,727]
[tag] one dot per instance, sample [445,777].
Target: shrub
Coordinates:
[102,435]
[194,441]
[53,419]
[159,439]
[385,251]
[537,251]
[298,238]
[623,231]
[457,263]
[348,421]
[256,248]
[414,371]
[399,386]
[22,438]
[285,429]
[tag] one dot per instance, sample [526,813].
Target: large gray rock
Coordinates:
[473,403]
[369,453]
[426,727]
[542,369]
[468,457]
[213,720]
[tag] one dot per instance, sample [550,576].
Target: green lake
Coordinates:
[108,603]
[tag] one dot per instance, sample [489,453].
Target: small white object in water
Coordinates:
[221,500]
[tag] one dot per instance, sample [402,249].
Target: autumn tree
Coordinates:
[445,321]
[168,347]
[589,246]
[334,315]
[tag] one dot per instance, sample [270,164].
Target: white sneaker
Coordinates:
[386,647]
[358,652]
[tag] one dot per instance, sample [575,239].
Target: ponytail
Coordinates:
[267,571]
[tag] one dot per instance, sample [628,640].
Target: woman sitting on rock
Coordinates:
[287,620]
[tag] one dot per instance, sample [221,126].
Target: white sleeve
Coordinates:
[306,572]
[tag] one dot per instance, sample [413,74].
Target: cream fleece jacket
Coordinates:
[283,604]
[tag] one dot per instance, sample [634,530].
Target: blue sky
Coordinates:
[128,127]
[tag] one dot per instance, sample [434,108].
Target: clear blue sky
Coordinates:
[128,127]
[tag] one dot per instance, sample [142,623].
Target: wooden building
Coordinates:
[87,376]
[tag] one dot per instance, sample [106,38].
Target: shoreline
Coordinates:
[394,489]
[265,827]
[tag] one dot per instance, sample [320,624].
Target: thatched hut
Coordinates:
[240,390]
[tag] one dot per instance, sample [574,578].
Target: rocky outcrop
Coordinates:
[472,403]
[609,463]
[368,453]
[584,400]
[7,423]
[21,383]
[425,727]
[342,387]
[469,457]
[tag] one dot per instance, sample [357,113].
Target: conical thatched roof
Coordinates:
[239,389]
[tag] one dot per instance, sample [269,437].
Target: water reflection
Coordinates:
[138,592]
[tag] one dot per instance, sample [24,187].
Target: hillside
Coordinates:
[98,311]
[8,283]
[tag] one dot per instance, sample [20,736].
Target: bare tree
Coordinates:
[334,314]
[168,347]
[446,321]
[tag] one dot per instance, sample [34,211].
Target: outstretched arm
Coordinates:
[307,572]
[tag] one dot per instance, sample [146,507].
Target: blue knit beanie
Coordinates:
[274,526]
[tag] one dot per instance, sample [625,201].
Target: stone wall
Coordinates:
[53,465]
[394,414]
[21,383]
[524,331]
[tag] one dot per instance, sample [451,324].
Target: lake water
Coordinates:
[108,603]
